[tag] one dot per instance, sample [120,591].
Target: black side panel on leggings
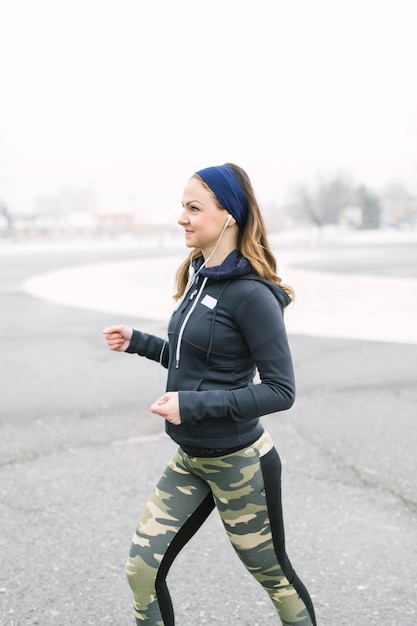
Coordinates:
[182,537]
[271,471]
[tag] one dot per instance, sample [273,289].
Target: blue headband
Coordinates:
[224,184]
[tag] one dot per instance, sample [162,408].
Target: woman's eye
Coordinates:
[194,209]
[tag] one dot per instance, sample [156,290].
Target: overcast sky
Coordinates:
[135,95]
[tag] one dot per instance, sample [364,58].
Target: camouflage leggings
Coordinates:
[245,488]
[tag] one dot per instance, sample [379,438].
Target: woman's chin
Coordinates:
[189,242]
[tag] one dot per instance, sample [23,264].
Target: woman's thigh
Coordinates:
[179,503]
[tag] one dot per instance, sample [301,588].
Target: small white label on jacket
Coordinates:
[209,301]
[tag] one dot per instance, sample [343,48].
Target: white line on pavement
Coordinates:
[352,306]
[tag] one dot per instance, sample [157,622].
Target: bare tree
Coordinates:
[7,217]
[323,203]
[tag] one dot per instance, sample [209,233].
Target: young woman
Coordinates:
[228,323]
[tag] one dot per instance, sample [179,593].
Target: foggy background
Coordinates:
[107,108]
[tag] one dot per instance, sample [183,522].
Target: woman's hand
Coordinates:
[118,337]
[168,407]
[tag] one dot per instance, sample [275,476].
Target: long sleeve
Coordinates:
[149,346]
[260,321]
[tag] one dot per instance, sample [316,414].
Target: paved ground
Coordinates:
[79,453]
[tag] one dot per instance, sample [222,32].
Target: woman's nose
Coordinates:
[182,218]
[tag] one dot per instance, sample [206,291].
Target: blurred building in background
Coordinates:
[337,202]
[76,212]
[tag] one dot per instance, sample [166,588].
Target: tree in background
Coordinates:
[338,201]
[324,202]
[370,207]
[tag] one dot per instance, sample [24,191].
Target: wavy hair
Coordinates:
[252,239]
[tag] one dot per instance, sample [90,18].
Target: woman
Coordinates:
[228,322]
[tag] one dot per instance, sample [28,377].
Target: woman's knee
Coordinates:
[140,574]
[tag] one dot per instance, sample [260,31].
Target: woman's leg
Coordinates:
[179,505]
[247,493]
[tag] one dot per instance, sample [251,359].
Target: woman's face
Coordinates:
[201,218]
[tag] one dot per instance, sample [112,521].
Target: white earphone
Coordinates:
[192,274]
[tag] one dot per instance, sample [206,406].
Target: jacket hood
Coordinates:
[280,293]
[236,265]
[233,266]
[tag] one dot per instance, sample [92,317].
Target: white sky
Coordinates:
[136,95]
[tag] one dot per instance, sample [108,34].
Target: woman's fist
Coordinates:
[168,407]
[118,337]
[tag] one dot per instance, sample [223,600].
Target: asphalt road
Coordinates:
[80,451]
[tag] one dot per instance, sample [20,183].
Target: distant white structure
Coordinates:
[68,200]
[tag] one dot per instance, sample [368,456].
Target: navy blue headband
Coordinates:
[224,184]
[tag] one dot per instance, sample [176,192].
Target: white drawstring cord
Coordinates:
[187,317]
[192,277]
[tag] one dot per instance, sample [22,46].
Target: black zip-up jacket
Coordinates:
[228,325]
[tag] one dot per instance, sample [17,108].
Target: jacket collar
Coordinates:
[234,265]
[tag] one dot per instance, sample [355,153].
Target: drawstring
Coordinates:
[187,317]
[213,321]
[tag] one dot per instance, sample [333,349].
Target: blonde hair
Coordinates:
[252,240]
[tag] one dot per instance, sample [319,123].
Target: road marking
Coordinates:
[349,306]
